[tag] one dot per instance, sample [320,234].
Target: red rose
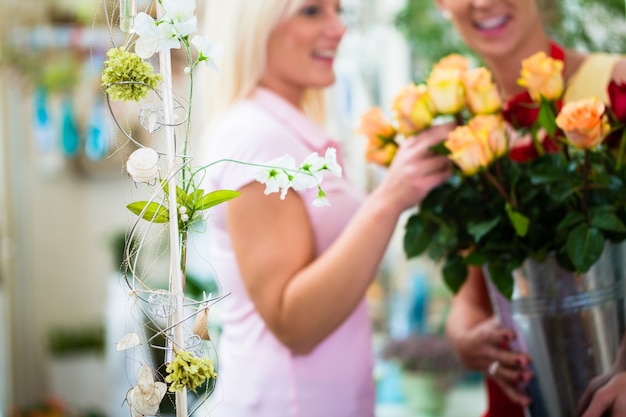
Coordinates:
[520,111]
[617,96]
[527,151]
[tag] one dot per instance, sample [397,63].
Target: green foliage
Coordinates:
[466,221]
[192,203]
[63,341]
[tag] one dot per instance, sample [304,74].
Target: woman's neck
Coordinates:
[506,70]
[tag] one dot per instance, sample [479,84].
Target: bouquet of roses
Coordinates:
[532,177]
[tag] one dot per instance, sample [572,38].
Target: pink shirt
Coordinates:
[257,375]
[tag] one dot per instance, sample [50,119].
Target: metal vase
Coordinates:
[570,324]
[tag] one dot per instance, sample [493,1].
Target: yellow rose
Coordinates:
[542,76]
[468,151]
[584,122]
[491,129]
[375,127]
[446,89]
[481,94]
[455,61]
[381,155]
[413,109]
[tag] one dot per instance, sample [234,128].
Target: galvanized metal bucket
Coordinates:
[570,324]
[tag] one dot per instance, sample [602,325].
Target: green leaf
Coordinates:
[584,247]
[214,198]
[606,220]
[502,278]
[518,220]
[440,148]
[571,219]
[454,273]
[547,117]
[417,236]
[478,230]
[181,196]
[476,258]
[194,197]
[155,212]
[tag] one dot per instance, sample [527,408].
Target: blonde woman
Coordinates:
[296,336]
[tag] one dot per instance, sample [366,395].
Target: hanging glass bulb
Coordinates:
[128,10]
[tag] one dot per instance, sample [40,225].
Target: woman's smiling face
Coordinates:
[493,28]
[301,50]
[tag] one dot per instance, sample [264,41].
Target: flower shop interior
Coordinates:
[63,197]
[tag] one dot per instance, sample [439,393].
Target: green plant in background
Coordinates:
[63,341]
[589,25]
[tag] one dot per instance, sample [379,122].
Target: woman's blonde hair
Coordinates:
[243,27]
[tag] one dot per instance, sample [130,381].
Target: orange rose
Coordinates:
[492,130]
[455,61]
[413,109]
[446,89]
[542,76]
[584,122]
[481,94]
[468,151]
[375,126]
[381,155]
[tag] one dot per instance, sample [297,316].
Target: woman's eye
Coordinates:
[310,11]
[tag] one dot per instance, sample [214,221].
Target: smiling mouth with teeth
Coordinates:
[492,23]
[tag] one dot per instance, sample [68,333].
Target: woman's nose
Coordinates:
[336,27]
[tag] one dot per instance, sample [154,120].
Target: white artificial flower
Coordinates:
[179,18]
[313,163]
[146,28]
[331,162]
[159,36]
[276,177]
[321,200]
[143,165]
[208,50]
[179,11]
[304,181]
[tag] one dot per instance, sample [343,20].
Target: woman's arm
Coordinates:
[303,298]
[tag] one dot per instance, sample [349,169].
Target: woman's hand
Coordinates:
[416,170]
[606,398]
[485,348]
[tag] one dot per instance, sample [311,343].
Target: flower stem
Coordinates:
[538,145]
[496,184]
[585,185]
[622,149]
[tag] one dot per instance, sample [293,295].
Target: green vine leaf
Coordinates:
[214,198]
[155,212]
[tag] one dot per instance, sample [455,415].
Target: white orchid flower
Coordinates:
[179,18]
[143,165]
[321,200]
[178,10]
[146,28]
[305,180]
[331,162]
[313,163]
[208,50]
[276,177]
[153,37]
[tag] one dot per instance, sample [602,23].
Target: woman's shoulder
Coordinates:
[593,75]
